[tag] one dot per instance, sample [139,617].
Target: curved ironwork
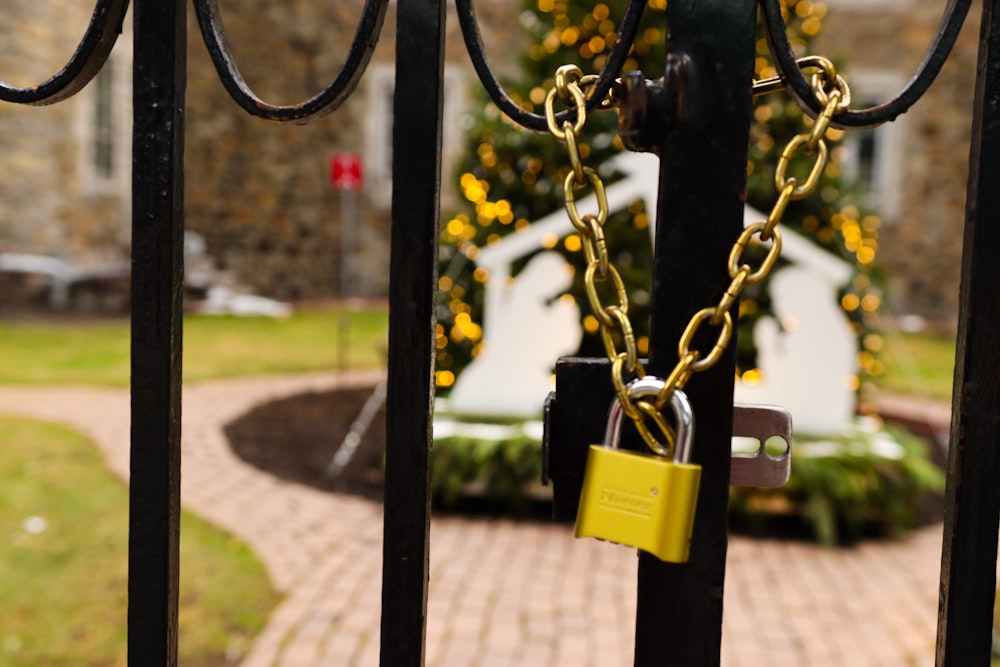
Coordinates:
[798,86]
[612,67]
[326,101]
[91,53]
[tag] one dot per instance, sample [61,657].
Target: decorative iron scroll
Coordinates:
[327,100]
[801,91]
[524,118]
[785,60]
[106,24]
[100,37]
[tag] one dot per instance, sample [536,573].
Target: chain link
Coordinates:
[826,78]
[831,91]
[570,186]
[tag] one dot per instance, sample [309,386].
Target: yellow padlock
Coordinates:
[642,500]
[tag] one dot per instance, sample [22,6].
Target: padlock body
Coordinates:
[638,500]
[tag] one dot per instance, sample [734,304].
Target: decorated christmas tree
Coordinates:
[511,177]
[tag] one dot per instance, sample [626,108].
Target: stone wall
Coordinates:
[259,192]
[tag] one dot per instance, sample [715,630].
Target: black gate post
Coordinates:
[700,215]
[416,176]
[972,510]
[159,79]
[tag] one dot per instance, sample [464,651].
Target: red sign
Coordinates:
[346,171]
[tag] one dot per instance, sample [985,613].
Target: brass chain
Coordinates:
[832,92]
[613,317]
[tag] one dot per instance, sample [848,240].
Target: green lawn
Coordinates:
[63,589]
[98,352]
[324,339]
[996,627]
[63,562]
[918,363]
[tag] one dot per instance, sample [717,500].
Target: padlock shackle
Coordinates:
[679,403]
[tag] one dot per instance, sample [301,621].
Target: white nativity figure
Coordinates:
[512,375]
[527,326]
[808,367]
[808,363]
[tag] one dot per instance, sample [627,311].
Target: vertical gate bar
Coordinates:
[972,504]
[416,182]
[699,216]
[157,278]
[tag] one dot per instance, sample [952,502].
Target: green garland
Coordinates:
[506,470]
[868,477]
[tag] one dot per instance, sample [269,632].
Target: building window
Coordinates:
[104,128]
[378,135]
[873,157]
[378,148]
[103,149]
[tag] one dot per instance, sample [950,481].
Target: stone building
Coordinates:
[259,193]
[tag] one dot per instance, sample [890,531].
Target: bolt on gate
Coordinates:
[696,118]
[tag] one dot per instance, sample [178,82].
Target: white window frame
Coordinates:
[94,181]
[885,190]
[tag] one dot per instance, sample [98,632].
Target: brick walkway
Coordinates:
[503,592]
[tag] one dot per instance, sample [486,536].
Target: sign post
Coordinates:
[347,177]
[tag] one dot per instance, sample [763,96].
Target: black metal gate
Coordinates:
[715,35]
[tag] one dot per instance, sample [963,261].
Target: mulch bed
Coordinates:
[295,439]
